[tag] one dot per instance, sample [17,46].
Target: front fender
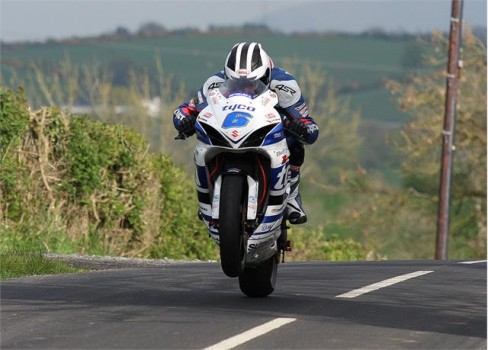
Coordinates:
[252,196]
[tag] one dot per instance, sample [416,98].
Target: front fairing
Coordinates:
[234,119]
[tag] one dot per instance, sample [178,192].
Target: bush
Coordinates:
[69,184]
[314,244]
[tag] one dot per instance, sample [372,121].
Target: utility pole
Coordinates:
[452,81]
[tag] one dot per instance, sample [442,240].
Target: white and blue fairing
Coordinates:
[240,117]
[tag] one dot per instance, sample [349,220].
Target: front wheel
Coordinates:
[258,282]
[231,225]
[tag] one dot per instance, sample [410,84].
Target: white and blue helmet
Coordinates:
[248,60]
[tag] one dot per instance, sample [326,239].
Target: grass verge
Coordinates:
[19,264]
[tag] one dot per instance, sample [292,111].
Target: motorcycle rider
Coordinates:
[251,61]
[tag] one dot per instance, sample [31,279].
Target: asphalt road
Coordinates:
[326,305]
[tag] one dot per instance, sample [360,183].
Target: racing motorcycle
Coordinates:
[242,180]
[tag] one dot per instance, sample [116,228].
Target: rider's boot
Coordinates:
[296,214]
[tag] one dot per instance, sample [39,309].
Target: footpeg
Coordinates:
[288,246]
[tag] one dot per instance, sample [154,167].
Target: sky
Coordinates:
[40,20]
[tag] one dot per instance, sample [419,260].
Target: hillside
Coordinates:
[358,64]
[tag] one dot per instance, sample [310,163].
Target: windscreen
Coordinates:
[243,87]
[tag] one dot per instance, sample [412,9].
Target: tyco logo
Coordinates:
[236,120]
[238,106]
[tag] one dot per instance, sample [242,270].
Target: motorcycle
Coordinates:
[242,181]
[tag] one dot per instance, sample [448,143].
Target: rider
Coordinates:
[251,61]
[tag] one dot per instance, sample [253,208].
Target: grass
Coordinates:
[193,58]
[377,105]
[19,264]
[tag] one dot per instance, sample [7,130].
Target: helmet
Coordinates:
[248,60]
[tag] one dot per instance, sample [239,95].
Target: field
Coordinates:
[357,65]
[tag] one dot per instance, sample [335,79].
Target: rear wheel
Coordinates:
[231,225]
[258,282]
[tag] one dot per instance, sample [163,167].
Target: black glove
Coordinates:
[297,129]
[187,126]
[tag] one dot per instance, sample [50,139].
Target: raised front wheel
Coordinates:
[231,224]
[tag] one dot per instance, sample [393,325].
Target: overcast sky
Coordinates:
[38,20]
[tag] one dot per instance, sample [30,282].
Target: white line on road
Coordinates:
[375,286]
[473,262]
[255,332]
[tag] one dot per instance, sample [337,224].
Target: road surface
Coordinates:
[322,305]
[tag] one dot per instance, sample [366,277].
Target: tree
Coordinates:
[408,216]
[151,29]
[122,31]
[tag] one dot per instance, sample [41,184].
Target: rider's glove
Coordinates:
[298,129]
[185,124]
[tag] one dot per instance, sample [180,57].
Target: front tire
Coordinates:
[231,225]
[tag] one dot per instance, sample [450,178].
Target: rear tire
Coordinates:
[259,282]
[231,225]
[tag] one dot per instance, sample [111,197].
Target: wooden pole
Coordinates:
[452,81]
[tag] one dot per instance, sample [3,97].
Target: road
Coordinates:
[322,305]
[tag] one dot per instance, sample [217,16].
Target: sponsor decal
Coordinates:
[285,88]
[205,116]
[279,176]
[238,106]
[179,115]
[280,153]
[235,133]
[266,227]
[240,94]
[215,85]
[236,120]
[271,117]
[253,246]
[279,209]
[312,128]
[243,72]
[302,110]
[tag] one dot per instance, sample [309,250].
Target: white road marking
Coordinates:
[473,262]
[255,332]
[375,286]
